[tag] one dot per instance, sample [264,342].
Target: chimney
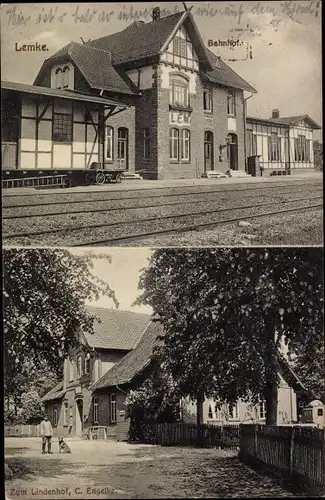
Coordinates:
[275,113]
[156,14]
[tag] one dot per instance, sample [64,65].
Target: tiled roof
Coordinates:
[134,362]
[115,329]
[286,121]
[55,393]
[138,40]
[61,93]
[224,75]
[96,67]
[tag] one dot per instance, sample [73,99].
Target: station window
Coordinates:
[179,46]
[207,100]
[62,128]
[95,411]
[109,142]
[146,143]
[113,408]
[231,103]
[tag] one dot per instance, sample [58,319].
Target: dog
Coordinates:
[63,447]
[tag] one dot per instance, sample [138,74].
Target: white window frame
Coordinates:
[210,412]
[231,103]
[185,144]
[95,410]
[174,144]
[179,46]
[65,77]
[109,140]
[179,91]
[261,410]
[58,78]
[207,100]
[112,408]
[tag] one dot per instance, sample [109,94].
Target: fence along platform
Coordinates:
[297,452]
[45,181]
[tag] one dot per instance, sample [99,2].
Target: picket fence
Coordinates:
[183,434]
[22,430]
[298,453]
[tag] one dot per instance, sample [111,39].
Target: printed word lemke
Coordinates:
[34,47]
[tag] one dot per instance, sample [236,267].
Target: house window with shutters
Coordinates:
[179,46]
[262,410]
[233,412]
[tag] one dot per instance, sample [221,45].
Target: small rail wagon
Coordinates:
[60,137]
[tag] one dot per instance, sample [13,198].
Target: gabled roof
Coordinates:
[134,362]
[287,121]
[55,393]
[96,67]
[142,40]
[115,329]
[292,120]
[289,375]
[24,88]
[224,75]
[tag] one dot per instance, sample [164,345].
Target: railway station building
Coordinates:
[151,99]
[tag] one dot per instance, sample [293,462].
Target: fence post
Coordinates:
[255,439]
[292,437]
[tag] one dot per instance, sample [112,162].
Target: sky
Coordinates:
[284,38]
[122,275]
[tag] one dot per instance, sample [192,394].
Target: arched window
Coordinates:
[174,144]
[65,77]
[58,78]
[87,364]
[185,145]
[231,103]
[123,146]
[178,91]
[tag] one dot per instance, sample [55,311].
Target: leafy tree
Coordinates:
[318,154]
[226,313]
[44,292]
[311,370]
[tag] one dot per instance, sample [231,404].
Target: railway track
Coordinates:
[118,205]
[153,226]
[146,193]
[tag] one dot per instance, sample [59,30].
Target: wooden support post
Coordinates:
[292,444]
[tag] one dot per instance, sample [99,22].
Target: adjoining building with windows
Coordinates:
[72,405]
[281,143]
[118,357]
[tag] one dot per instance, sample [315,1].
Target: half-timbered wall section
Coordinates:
[301,146]
[58,133]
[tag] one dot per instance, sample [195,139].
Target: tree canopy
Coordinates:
[44,294]
[226,313]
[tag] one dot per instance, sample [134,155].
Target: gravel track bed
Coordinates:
[85,196]
[100,206]
[70,221]
[91,234]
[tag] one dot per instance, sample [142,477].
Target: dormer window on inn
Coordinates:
[62,76]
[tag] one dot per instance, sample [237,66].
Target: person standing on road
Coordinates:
[46,433]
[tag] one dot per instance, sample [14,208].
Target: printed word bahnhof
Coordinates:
[151,99]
